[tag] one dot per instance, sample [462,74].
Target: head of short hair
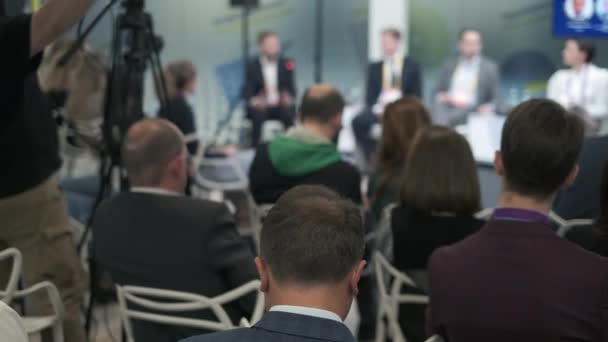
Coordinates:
[265,34]
[148,148]
[540,144]
[587,47]
[321,103]
[401,121]
[312,237]
[440,174]
[466,30]
[178,75]
[393,32]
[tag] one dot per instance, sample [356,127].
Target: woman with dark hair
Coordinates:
[439,197]
[181,82]
[400,123]
[595,239]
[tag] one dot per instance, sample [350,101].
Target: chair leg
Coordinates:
[58,332]
[380,333]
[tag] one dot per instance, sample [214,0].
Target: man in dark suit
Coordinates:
[269,90]
[387,81]
[582,199]
[516,280]
[156,237]
[468,83]
[310,263]
[306,154]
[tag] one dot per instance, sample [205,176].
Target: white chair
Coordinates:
[171,303]
[33,324]
[564,229]
[390,283]
[435,338]
[8,293]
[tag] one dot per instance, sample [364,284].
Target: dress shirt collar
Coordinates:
[153,191]
[521,215]
[301,310]
[268,62]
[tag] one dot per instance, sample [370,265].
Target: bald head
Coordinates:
[321,103]
[151,145]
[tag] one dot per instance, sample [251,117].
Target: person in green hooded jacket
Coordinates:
[307,153]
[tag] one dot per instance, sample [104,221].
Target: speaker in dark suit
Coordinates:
[269,90]
[387,80]
[153,236]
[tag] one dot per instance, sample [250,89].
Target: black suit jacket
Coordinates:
[254,83]
[518,281]
[416,234]
[411,81]
[175,243]
[582,199]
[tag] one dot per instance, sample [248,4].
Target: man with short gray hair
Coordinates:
[154,236]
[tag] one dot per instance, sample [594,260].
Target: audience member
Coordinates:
[307,154]
[400,123]
[156,237]
[388,80]
[181,82]
[595,239]
[516,280]
[583,87]
[469,83]
[439,197]
[312,242]
[32,209]
[582,199]
[11,327]
[270,87]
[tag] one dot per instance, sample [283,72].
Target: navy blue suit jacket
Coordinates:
[284,327]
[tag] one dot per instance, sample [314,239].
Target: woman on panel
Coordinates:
[400,123]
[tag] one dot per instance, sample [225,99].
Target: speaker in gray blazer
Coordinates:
[487,92]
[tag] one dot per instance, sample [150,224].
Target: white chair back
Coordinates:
[564,229]
[169,303]
[8,293]
[33,324]
[435,338]
[563,225]
[390,284]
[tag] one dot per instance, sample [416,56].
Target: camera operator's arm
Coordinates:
[54,19]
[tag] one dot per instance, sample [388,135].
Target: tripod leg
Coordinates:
[92,295]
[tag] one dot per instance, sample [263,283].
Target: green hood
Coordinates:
[294,157]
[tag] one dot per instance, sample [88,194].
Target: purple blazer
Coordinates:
[518,281]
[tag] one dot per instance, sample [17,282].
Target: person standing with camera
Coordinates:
[33,215]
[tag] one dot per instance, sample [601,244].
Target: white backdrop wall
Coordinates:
[383,14]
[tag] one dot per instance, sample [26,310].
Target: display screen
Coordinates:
[580,18]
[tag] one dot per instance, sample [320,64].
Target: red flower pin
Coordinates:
[290,65]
